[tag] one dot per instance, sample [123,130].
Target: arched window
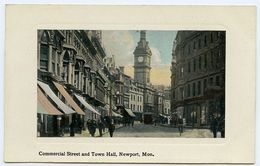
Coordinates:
[76,81]
[44,51]
[65,72]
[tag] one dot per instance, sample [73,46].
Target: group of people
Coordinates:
[92,125]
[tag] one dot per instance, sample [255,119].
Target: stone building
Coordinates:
[198,76]
[136,99]
[142,67]
[70,75]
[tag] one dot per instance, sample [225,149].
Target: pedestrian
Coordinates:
[214,126]
[100,127]
[111,129]
[92,128]
[222,126]
[155,121]
[133,121]
[72,128]
[180,125]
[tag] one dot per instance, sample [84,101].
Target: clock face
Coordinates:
[140,59]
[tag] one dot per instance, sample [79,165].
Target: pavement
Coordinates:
[143,130]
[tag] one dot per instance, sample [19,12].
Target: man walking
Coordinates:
[111,129]
[100,128]
[180,125]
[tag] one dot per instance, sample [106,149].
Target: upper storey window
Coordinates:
[44,51]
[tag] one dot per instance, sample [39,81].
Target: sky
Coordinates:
[121,44]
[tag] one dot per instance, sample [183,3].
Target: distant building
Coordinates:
[198,76]
[158,102]
[110,62]
[167,101]
[136,99]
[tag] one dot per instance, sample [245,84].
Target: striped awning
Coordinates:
[86,105]
[130,112]
[44,106]
[66,109]
[116,114]
[68,98]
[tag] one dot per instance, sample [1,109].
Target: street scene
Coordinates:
[131,83]
[141,130]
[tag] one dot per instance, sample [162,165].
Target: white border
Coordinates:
[232,2]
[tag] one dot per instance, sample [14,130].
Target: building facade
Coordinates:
[70,69]
[198,76]
[136,99]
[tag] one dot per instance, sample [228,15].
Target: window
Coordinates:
[211,37]
[217,81]
[182,93]
[194,45]
[200,62]
[199,43]
[205,84]
[211,81]
[181,71]
[53,60]
[205,61]
[211,59]
[44,57]
[199,88]
[44,37]
[194,64]
[218,34]
[193,89]
[58,69]
[189,49]
[188,90]
[205,41]
[218,57]
[189,67]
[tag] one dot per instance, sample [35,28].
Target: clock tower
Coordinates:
[142,60]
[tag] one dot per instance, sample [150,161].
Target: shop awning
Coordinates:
[86,105]
[69,99]
[102,109]
[66,109]
[44,106]
[116,114]
[129,111]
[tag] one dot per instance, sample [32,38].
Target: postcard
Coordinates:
[130,84]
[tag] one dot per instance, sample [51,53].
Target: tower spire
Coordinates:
[143,35]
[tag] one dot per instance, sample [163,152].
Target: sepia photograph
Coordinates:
[131,83]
